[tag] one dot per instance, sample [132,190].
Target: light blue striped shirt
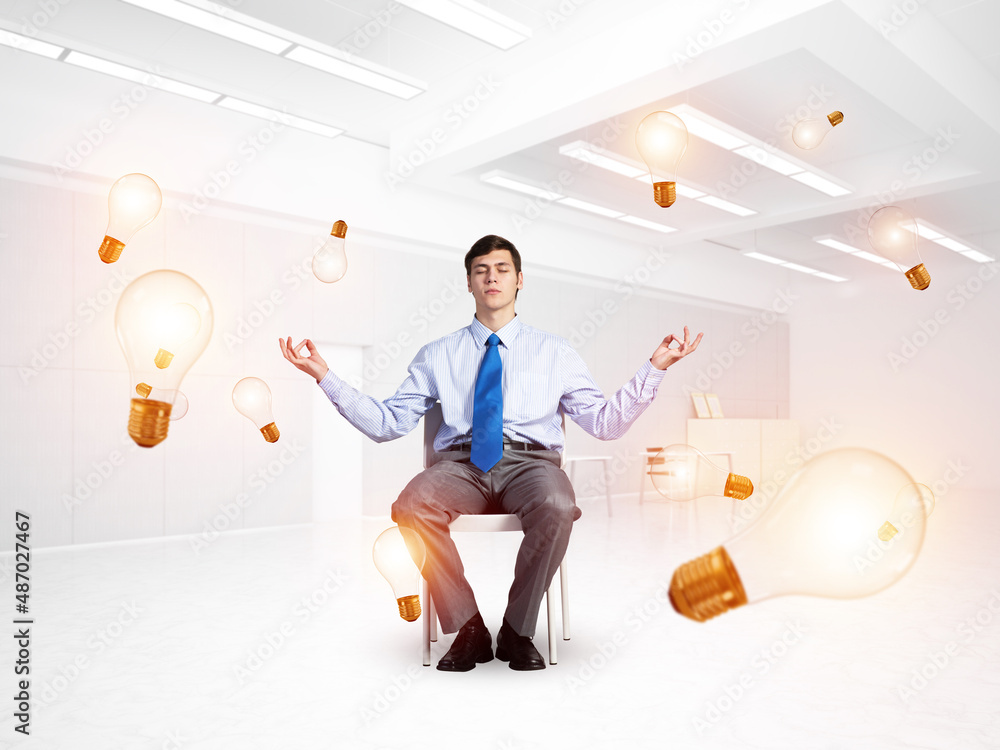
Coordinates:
[542,375]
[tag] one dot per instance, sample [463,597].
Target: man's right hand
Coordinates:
[313,365]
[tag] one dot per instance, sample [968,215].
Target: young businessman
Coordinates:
[502,385]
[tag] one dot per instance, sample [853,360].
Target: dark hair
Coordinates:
[487,245]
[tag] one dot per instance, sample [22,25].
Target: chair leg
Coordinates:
[550,614]
[564,592]
[428,618]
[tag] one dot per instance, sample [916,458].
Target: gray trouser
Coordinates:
[530,485]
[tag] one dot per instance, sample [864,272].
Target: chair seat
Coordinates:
[487,522]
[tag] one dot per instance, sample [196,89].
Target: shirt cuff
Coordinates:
[331,385]
[649,379]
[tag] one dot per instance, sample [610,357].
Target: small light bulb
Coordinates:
[399,555]
[893,234]
[681,472]
[133,202]
[329,264]
[662,139]
[810,133]
[252,399]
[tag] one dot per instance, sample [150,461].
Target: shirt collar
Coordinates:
[507,334]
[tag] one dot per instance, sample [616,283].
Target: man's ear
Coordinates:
[468,280]
[520,279]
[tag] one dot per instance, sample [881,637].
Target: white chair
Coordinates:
[487,522]
[570,465]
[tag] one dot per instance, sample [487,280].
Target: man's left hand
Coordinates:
[664,356]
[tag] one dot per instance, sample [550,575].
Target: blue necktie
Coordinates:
[487,409]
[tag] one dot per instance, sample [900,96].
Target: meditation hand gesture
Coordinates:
[664,356]
[313,365]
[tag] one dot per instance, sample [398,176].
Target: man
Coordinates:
[502,385]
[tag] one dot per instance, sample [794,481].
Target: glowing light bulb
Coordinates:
[893,234]
[252,399]
[141,316]
[682,473]
[180,401]
[399,556]
[330,261]
[810,133]
[818,537]
[133,202]
[662,139]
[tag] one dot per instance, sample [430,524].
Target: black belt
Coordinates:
[507,444]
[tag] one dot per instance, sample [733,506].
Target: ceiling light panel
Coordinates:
[474,19]
[212,17]
[17,41]
[501,179]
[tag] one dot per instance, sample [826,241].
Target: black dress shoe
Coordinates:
[518,650]
[473,645]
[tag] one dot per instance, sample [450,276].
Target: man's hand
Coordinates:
[313,365]
[664,356]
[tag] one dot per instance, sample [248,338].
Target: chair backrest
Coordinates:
[432,423]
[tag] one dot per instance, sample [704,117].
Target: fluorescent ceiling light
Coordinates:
[765,258]
[797,267]
[143,77]
[821,183]
[951,244]
[836,245]
[701,125]
[768,159]
[978,256]
[223,20]
[647,224]
[267,113]
[829,276]
[876,259]
[498,178]
[212,17]
[475,19]
[583,151]
[353,72]
[732,208]
[17,41]
[682,190]
[926,232]
[593,208]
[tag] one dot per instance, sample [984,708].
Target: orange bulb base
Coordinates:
[339,229]
[111,249]
[163,359]
[270,432]
[664,193]
[148,421]
[738,487]
[835,118]
[707,586]
[143,389]
[919,277]
[409,607]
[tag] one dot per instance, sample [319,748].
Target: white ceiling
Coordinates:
[900,79]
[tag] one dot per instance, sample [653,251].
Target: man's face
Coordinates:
[493,281]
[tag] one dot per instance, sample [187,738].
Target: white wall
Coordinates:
[861,355]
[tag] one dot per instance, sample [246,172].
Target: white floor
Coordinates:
[289,638]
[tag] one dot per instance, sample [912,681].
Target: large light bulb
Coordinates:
[682,473]
[893,234]
[330,261]
[133,202]
[399,556]
[156,302]
[180,401]
[662,139]
[810,133]
[252,399]
[820,536]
